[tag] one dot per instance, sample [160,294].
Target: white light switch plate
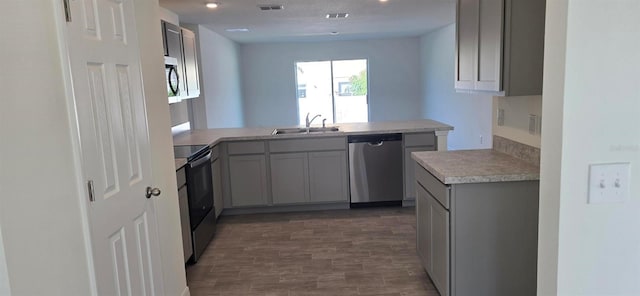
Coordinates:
[608,182]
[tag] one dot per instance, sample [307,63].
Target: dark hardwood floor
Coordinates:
[345,252]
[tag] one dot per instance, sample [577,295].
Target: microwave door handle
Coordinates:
[200,160]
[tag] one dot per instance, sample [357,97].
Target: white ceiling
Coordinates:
[304,20]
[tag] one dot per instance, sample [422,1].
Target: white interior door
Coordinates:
[107,85]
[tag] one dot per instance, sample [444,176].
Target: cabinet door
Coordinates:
[466,42]
[289,178]
[489,52]
[248,176]
[183,203]
[423,228]
[164,38]
[409,171]
[173,38]
[218,201]
[328,176]
[191,77]
[439,245]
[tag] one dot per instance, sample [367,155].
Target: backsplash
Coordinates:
[521,119]
[525,152]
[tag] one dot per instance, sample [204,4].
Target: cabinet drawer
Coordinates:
[421,139]
[248,147]
[315,144]
[180,177]
[436,188]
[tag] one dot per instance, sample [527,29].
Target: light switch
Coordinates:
[608,182]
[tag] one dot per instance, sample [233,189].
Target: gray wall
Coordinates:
[220,102]
[268,77]
[469,114]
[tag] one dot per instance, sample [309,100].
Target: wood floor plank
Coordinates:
[342,252]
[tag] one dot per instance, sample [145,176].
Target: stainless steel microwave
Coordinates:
[173,79]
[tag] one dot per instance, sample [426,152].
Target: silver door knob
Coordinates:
[152,192]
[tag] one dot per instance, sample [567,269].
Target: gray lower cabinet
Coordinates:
[433,238]
[248,180]
[309,177]
[414,142]
[218,200]
[478,238]
[328,176]
[290,178]
[409,171]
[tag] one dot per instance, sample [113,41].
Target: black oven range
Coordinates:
[200,195]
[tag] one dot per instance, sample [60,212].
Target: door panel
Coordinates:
[439,242]
[290,178]
[489,55]
[115,148]
[467,35]
[248,175]
[328,176]
[129,121]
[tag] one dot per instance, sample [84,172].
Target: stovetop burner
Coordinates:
[189,152]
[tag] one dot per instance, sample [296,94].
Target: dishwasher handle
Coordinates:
[378,144]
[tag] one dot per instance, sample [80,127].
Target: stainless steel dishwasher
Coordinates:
[375,169]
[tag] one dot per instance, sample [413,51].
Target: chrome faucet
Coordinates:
[310,121]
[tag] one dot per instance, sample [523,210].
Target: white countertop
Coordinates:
[180,162]
[475,166]
[214,136]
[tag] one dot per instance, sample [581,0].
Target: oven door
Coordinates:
[200,189]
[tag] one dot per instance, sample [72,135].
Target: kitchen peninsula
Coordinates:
[477,221]
[259,171]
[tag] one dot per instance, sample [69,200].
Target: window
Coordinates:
[337,90]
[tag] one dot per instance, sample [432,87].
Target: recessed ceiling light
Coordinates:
[337,15]
[211,5]
[383,1]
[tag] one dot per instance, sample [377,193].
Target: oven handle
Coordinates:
[200,160]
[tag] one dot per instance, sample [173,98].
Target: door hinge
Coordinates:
[67,10]
[92,195]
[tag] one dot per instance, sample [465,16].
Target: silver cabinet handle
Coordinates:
[152,192]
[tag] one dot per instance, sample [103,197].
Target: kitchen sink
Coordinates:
[302,130]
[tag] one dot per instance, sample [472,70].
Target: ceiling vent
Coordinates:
[271,7]
[337,15]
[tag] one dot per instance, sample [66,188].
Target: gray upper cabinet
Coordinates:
[328,176]
[248,180]
[181,44]
[191,77]
[500,46]
[289,178]
[172,40]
